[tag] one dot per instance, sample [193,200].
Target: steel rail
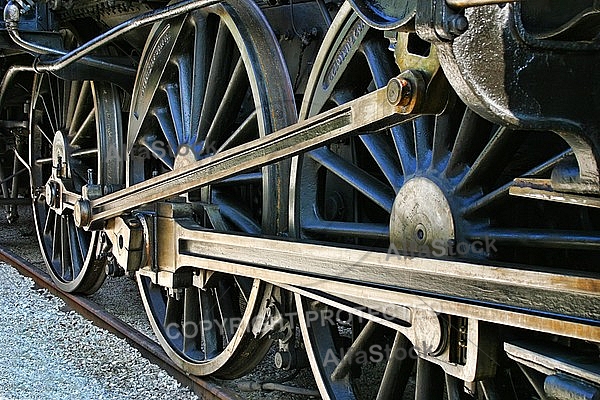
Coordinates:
[148,348]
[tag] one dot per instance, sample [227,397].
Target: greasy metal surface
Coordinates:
[386,14]
[148,348]
[557,303]
[509,81]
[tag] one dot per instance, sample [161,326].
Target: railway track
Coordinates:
[94,312]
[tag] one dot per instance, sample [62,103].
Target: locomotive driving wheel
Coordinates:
[75,130]
[203,88]
[435,187]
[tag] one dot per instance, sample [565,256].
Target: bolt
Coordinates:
[90,173]
[283,360]
[458,24]
[398,92]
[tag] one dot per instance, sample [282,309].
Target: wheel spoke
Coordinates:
[441,138]
[402,134]
[385,158]
[423,130]
[246,131]
[150,143]
[250,178]
[473,129]
[65,250]
[502,192]
[344,229]
[172,318]
[229,106]
[49,223]
[232,211]
[56,238]
[85,153]
[198,76]
[227,312]
[454,387]
[397,371]
[85,126]
[429,381]
[174,102]
[72,104]
[211,337]
[191,328]
[168,129]
[344,366]
[217,77]
[545,238]
[51,122]
[489,160]
[75,249]
[79,112]
[184,69]
[54,103]
[366,184]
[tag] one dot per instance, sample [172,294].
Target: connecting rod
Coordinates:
[381,108]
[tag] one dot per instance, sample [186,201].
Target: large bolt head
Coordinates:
[398,91]
[82,212]
[51,195]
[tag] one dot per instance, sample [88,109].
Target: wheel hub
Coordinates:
[184,157]
[421,218]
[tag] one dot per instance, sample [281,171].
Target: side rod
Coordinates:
[370,111]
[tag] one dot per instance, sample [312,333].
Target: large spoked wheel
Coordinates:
[435,187]
[76,124]
[203,88]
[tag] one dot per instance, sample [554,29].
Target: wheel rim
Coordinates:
[84,117]
[207,93]
[436,187]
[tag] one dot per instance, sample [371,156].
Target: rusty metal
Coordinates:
[148,348]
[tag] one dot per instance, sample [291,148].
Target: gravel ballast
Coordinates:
[50,352]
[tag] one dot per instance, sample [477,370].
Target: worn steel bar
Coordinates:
[148,348]
[363,112]
[550,302]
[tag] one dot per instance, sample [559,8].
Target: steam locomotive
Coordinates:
[401,195]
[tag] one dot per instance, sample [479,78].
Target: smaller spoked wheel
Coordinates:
[75,137]
[204,330]
[203,90]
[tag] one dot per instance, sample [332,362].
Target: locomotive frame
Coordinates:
[338,178]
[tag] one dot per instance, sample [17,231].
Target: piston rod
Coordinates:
[11,17]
